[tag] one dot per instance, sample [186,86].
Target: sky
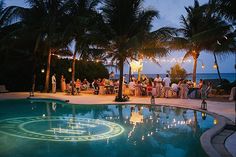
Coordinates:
[170,12]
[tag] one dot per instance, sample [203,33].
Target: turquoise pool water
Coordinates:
[54,129]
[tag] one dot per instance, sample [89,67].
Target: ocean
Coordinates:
[229,76]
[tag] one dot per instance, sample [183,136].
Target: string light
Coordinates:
[203,66]
[215,66]
[164,60]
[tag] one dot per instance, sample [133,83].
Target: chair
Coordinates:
[116,89]
[102,90]
[68,89]
[3,89]
[149,91]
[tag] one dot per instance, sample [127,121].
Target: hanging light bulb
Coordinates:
[203,66]
[215,66]
[42,70]
[69,70]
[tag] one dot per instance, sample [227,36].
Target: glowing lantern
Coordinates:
[69,70]
[42,70]
[215,66]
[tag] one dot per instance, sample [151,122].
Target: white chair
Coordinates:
[3,89]
[102,90]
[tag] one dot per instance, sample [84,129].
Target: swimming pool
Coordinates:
[53,128]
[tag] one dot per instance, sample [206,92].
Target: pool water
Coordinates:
[43,128]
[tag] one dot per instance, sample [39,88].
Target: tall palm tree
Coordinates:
[202,30]
[225,8]
[43,19]
[80,28]
[127,28]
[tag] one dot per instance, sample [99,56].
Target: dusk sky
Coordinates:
[170,12]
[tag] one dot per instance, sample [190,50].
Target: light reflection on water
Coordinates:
[148,130]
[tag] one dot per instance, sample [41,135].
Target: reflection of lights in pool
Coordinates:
[77,129]
[215,121]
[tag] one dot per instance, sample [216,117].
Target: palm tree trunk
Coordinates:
[217,67]
[35,64]
[130,74]
[139,74]
[194,69]
[121,66]
[73,74]
[48,72]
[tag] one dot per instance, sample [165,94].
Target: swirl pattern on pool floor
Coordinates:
[70,129]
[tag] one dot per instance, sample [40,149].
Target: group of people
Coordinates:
[67,87]
[159,87]
[156,87]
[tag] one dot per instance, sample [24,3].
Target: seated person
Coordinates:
[149,88]
[68,88]
[175,89]
[85,84]
[95,86]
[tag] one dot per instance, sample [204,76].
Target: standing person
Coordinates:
[183,89]
[158,83]
[63,83]
[54,82]
[77,86]
[166,82]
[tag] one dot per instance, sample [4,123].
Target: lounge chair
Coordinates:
[3,89]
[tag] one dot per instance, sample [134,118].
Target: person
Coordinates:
[183,89]
[149,88]
[204,95]
[175,88]
[157,82]
[200,84]
[54,83]
[166,82]
[77,85]
[63,83]
[95,85]
[112,75]
[85,84]
[132,87]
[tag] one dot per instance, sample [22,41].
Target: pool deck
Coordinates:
[226,109]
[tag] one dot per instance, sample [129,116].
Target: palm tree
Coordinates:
[202,30]
[225,8]
[127,28]
[80,28]
[43,19]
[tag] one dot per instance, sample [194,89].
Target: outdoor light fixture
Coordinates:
[203,66]
[42,70]
[215,66]
[137,66]
[69,70]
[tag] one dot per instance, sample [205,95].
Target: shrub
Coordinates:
[123,99]
[177,73]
